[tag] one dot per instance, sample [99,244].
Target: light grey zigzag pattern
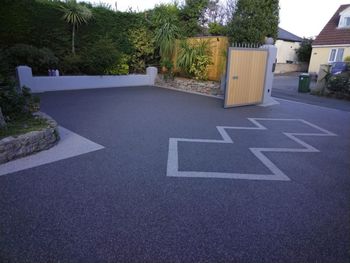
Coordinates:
[276,173]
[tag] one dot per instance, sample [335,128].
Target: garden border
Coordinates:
[13,147]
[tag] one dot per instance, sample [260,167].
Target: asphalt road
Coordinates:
[118,205]
[286,87]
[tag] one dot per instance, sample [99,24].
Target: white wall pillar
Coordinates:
[24,76]
[272,54]
[152,73]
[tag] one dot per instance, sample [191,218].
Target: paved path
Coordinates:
[117,204]
[286,87]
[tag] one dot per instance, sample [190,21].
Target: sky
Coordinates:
[305,18]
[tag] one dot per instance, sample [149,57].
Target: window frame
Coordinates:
[330,55]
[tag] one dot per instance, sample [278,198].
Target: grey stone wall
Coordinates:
[205,87]
[14,147]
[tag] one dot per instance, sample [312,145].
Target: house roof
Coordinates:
[331,34]
[288,36]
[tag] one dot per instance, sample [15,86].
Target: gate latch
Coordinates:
[235,77]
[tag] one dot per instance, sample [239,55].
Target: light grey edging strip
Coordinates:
[276,173]
[70,145]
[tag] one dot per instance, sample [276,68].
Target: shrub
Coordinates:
[199,68]
[194,59]
[39,59]
[143,44]
[99,57]
[71,65]
[16,103]
[121,67]
[340,83]
[305,49]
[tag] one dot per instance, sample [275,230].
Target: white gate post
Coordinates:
[272,54]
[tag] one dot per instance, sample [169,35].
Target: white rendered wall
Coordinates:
[42,84]
[286,51]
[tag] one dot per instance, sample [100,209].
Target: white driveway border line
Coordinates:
[69,145]
[276,173]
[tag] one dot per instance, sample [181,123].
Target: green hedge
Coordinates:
[39,23]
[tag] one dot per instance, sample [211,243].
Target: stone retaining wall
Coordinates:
[205,87]
[29,143]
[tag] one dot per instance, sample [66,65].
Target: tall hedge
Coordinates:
[39,23]
[253,20]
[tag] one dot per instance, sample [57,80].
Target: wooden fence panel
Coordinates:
[218,46]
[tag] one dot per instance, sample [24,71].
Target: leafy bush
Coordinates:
[120,68]
[39,59]
[71,65]
[340,83]
[305,49]
[217,29]
[142,41]
[99,57]
[167,67]
[194,59]
[199,68]
[16,103]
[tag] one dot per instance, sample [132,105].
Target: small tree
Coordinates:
[190,15]
[75,14]
[253,20]
[305,50]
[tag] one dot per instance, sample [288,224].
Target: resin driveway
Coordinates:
[180,179]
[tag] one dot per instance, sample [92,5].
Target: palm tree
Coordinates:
[75,14]
[165,39]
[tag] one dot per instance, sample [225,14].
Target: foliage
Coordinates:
[190,15]
[168,65]
[305,50]
[101,55]
[253,20]
[347,59]
[199,68]
[143,44]
[217,29]
[193,59]
[39,59]
[340,83]
[16,103]
[23,125]
[121,67]
[40,24]
[75,15]
[165,38]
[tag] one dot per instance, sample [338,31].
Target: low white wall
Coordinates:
[42,84]
[285,67]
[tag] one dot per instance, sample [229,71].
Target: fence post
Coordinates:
[272,54]
[24,76]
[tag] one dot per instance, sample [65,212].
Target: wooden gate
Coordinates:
[245,80]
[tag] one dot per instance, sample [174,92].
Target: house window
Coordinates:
[344,21]
[336,55]
[332,55]
[347,21]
